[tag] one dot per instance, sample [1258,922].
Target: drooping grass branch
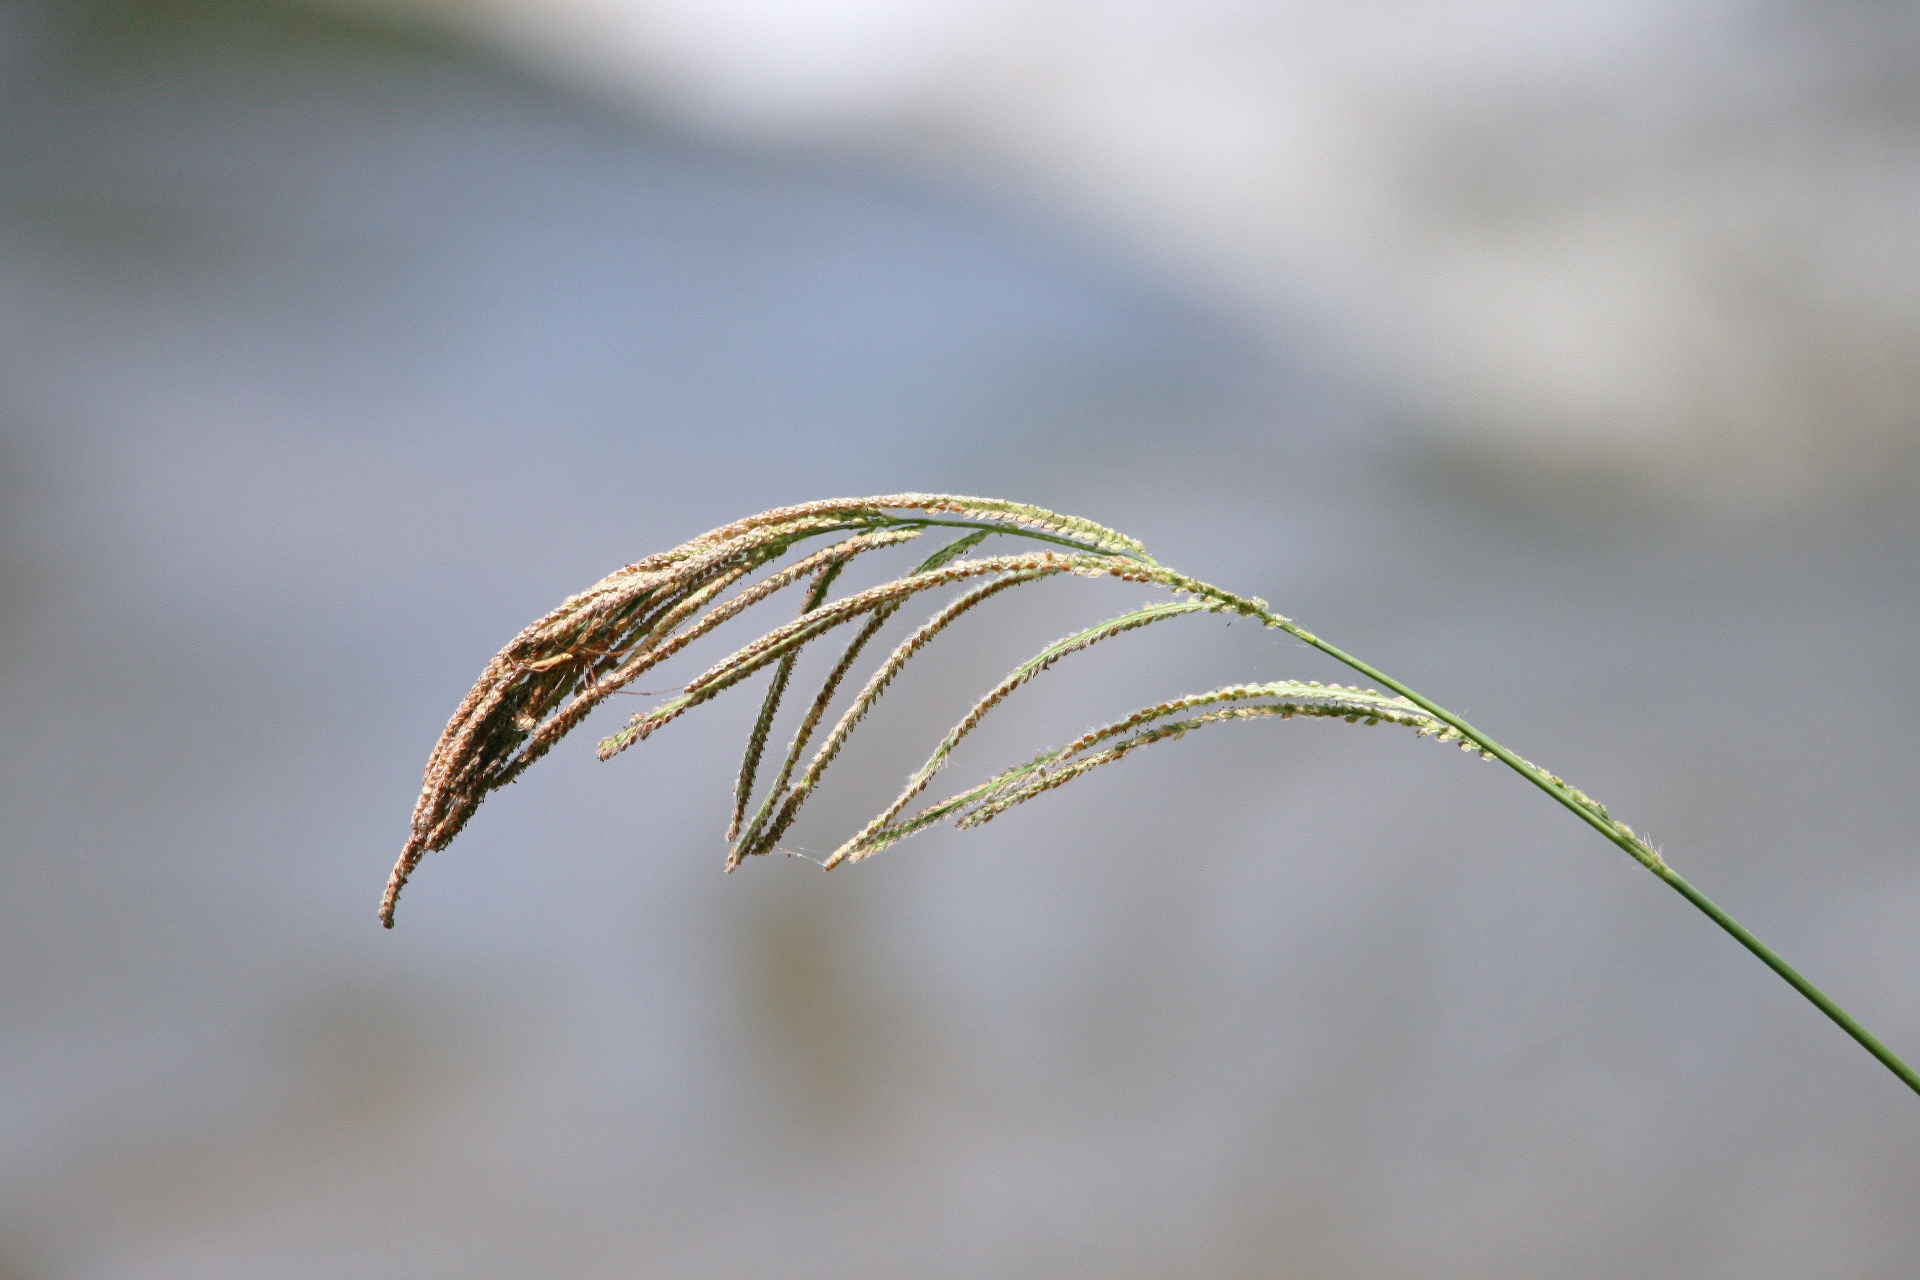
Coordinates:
[546,681]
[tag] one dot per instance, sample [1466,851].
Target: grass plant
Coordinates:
[550,676]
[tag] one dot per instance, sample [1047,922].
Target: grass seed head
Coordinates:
[592,645]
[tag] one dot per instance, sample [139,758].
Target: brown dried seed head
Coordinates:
[545,681]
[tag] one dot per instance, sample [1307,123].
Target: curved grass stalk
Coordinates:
[1595,815]
[549,677]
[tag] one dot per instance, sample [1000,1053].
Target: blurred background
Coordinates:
[1563,360]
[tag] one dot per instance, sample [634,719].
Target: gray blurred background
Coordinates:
[1562,360]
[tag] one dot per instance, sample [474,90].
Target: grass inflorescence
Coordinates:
[550,676]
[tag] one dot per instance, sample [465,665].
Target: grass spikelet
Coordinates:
[876,685]
[1050,769]
[1021,674]
[549,677]
[1354,706]
[749,841]
[817,710]
[770,705]
[589,647]
[796,634]
[1018,517]
[482,757]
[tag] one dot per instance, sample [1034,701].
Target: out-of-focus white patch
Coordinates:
[1674,242]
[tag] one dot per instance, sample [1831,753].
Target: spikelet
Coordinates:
[586,649]
[1019,516]
[817,710]
[1051,769]
[480,758]
[769,648]
[1020,675]
[876,685]
[770,705]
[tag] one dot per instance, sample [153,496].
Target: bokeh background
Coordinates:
[1561,359]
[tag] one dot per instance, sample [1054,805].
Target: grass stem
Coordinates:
[1641,852]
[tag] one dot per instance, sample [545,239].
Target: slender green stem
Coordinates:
[1623,836]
